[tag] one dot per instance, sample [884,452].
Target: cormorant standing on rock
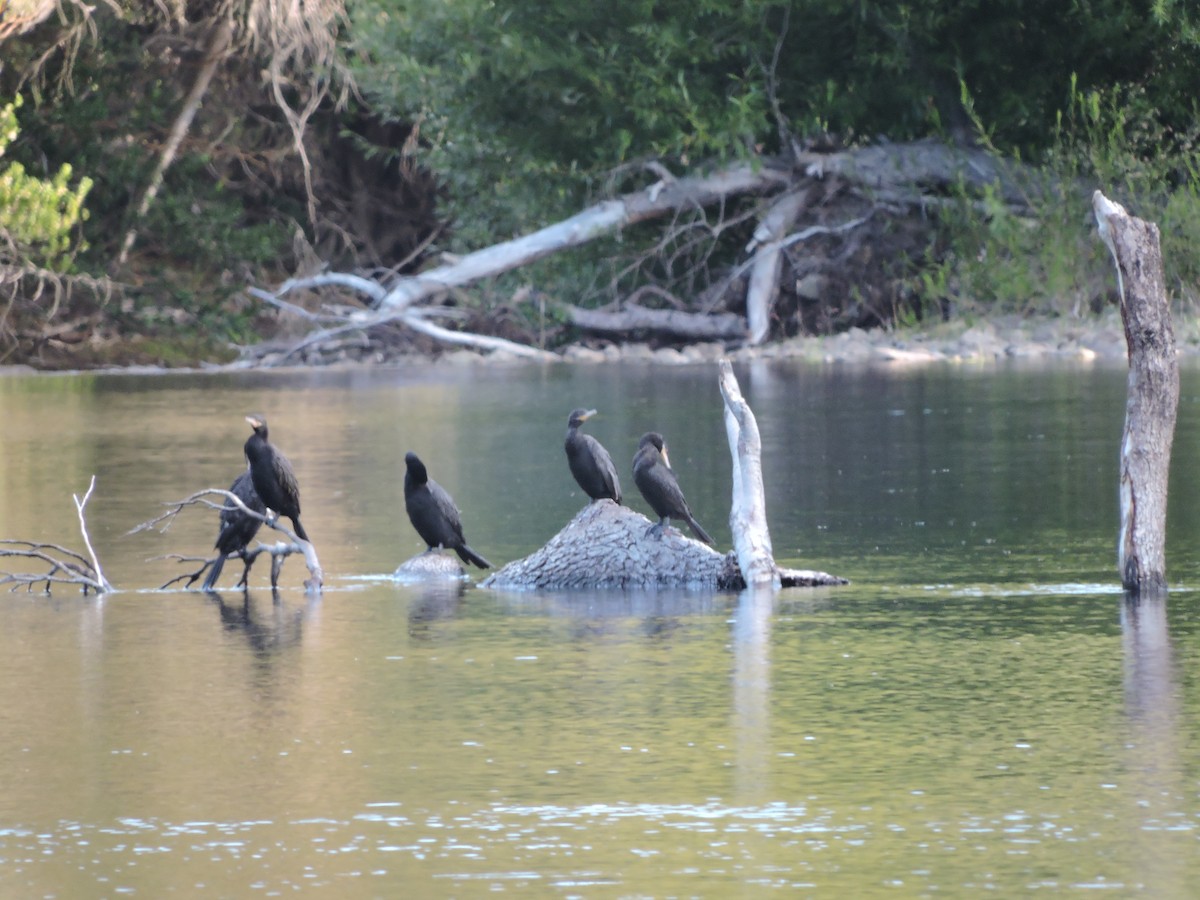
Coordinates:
[433,513]
[654,478]
[273,476]
[590,463]
[237,528]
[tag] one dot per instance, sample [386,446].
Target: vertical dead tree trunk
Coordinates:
[1152,395]
[748,512]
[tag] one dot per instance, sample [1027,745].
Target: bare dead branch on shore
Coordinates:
[699,211]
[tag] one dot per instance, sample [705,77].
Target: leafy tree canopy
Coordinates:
[524,105]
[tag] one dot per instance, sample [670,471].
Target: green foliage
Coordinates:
[37,216]
[527,110]
[1114,140]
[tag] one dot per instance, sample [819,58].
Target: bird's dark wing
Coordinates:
[608,471]
[286,476]
[449,512]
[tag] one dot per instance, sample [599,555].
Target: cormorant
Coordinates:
[433,513]
[237,528]
[590,463]
[654,478]
[273,476]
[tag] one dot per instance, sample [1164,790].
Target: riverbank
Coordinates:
[1096,338]
[1093,339]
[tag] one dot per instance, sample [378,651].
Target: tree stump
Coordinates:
[1152,396]
[606,546]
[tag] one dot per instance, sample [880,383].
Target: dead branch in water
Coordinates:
[278,551]
[67,567]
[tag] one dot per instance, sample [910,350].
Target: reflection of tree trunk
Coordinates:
[752,693]
[1153,395]
[222,35]
[1157,785]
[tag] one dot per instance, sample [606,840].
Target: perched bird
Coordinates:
[273,476]
[433,513]
[590,463]
[237,528]
[654,478]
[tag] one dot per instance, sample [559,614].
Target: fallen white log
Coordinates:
[768,260]
[593,222]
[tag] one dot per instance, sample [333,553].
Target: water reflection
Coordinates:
[269,628]
[1156,744]
[436,602]
[751,692]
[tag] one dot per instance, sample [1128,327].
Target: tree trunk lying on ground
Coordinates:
[898,175]
[1152,395]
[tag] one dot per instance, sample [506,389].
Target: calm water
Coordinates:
[977,712]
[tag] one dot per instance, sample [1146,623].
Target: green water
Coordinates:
[977,712]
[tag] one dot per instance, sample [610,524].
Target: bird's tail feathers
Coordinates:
[214,573]
[468,555]
[700,532]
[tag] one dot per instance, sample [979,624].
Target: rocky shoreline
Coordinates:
[1095,339]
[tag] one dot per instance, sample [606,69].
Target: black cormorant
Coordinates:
[237,528]
[590,463]
[654,478]
[273,476]
[433,513]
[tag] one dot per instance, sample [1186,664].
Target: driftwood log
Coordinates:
[1152,395]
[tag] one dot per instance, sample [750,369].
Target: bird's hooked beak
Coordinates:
[587,415]
[254,421]
[666,458]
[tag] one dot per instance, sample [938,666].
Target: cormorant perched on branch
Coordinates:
[433,513]
[237,528]
[590,463]
[654,478]
[273,476]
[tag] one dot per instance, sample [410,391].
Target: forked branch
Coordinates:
[63,566]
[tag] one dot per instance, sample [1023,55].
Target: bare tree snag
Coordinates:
[65,566]
[748,511]
[768,260]
[278,551]
[1152,396]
